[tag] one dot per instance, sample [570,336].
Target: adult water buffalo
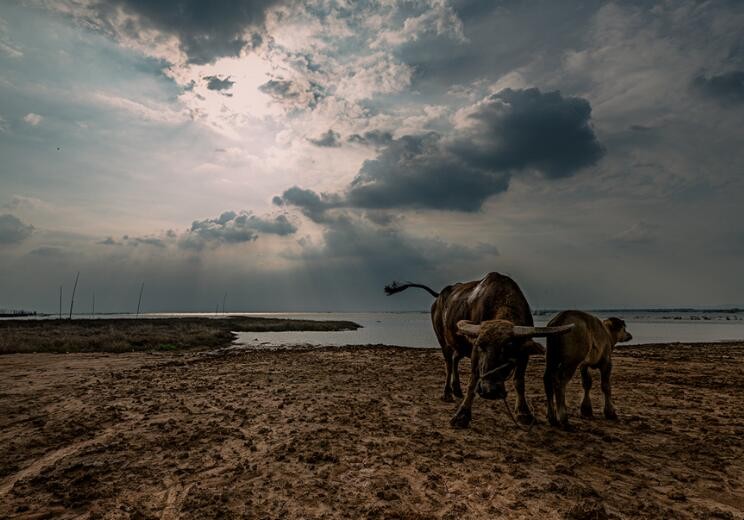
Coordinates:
[588,345]
[490,321]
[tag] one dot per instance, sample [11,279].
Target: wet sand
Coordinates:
[360,433]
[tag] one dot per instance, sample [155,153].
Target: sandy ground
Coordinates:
[360,433]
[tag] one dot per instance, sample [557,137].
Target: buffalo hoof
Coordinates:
[610,415]
[447,397]
[586,412]
[526,418]
[457,391]
[553,421]
[461,419]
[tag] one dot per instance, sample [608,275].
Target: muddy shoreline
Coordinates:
[360,432]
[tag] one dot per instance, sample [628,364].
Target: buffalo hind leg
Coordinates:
[464,413]
[456,389]
[552,366]
[550,396]
[562,377]
[524,414]
[447,396]
[605,373]
[586,403]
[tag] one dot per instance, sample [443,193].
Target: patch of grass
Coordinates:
[147,334]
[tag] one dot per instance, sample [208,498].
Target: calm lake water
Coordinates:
[413,329]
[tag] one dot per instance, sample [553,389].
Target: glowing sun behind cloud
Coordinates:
[226,95]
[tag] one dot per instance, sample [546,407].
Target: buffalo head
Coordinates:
[497,344]
[617,328]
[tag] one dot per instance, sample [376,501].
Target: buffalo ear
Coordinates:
[532,347]
[614,324]
[469,329]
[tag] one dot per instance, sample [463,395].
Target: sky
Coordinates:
[299,155]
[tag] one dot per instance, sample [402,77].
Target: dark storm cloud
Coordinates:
[329,139]
[312,204]
[376,138]
[233,228]
[726,88]
[529,129]
[205,30]
[279,225]
[293,94]
[501,37]
[13,230]
[508,132]
[421,172]
[217,83]
[412,172]
[278,88]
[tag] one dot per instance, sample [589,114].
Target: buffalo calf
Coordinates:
[588,345]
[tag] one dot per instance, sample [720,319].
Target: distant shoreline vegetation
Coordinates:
[131,335]
[728,310]
[16,313]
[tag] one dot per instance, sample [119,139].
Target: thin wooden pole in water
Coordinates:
[139,302]
[74,287]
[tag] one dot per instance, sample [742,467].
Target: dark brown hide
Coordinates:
[588,345]
[495,297]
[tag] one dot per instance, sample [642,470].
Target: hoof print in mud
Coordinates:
[461,419]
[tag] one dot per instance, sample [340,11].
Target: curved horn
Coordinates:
[532,332]
[468,328]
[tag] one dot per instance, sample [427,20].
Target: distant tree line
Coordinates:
[14,313]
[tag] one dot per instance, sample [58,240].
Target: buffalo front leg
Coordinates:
[447,396]
[524,414]
[605,374]
[586,403]
[464,413]
[456,389]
